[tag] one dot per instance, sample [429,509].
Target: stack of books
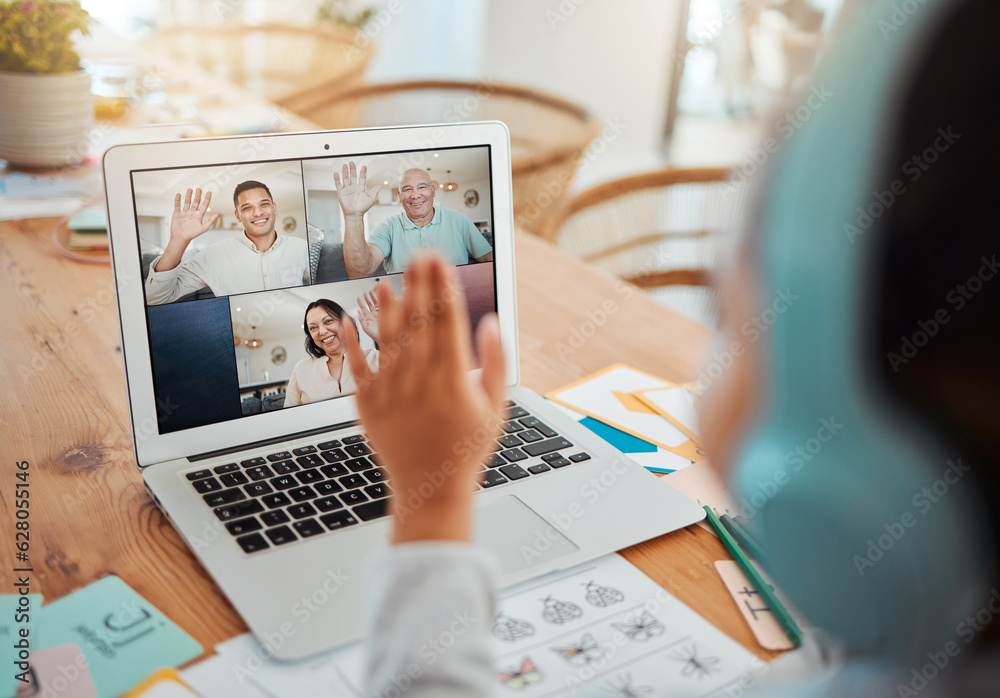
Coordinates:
[89,230]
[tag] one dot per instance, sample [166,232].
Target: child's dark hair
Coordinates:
[938,322]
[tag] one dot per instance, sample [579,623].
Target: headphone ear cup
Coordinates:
[860,552]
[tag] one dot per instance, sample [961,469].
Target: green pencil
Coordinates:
[742,537]
[777,608]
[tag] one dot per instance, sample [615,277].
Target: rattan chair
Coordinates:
[280,59]
[660,231]
[548,135]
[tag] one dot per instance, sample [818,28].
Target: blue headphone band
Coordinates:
[872,528]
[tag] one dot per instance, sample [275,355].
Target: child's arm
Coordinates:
[431,594]
[431,424]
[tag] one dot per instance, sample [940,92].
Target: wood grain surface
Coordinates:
[65,412]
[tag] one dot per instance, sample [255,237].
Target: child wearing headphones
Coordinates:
[878,214]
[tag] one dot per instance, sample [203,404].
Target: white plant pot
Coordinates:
[45,120]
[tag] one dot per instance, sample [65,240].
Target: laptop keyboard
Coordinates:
[284,496]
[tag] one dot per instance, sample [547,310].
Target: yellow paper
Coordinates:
[165,683]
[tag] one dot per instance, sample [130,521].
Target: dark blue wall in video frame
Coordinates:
[194,364]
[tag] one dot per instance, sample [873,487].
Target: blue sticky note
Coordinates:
[623,441]
[17,613]
[645,453]
[124,637]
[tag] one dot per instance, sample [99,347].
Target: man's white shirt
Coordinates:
[229,267]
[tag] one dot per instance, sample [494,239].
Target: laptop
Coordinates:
[283,503]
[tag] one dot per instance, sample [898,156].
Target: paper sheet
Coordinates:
[608,626]
[677,403]
[24,184]
[603,626]
[15,208]
[648,455]
[608,396]
[165,683]
[339,673]
[216,678]
[25,195]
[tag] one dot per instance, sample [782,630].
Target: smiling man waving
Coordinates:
[421,226]
[257,260]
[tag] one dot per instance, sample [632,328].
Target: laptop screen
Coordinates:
[249,297]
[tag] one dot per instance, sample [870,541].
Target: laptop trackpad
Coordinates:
[518,536]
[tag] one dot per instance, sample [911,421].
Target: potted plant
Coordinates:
[46,109]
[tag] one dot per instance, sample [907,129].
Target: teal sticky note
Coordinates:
[124,637]
[18,616]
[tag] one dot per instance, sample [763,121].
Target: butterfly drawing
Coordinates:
[693,664]
[583,652]
[643,628]
[519,679]
[622,688]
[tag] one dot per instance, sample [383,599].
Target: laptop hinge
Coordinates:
[268,442]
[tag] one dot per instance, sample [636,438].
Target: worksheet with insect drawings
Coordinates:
[604,628]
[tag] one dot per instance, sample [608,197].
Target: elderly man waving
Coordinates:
[421,226]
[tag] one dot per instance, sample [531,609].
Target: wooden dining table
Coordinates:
[65,413]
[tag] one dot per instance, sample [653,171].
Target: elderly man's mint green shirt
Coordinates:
[449,233]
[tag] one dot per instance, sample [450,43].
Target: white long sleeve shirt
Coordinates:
[229,267]
[431,607]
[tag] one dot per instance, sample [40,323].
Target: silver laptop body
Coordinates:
[306,596]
